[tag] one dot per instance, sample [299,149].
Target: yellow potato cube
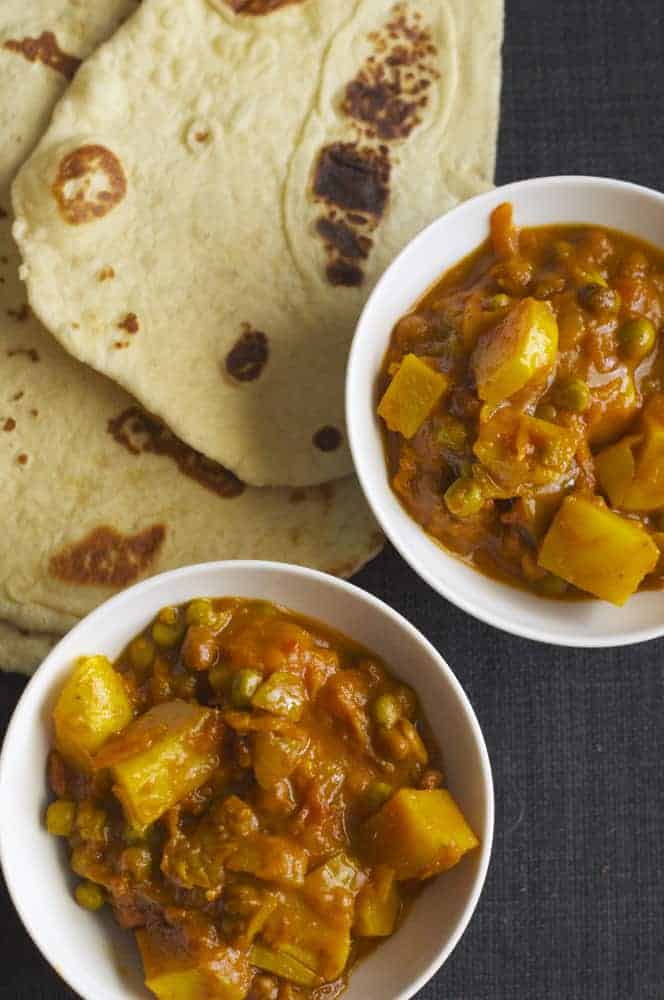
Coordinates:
[417,834]
[92,706]
[631,472]
[411,396]
[179,973]
[161,757]
[378,905]
[520,451]
[597,550]
[508,356]
[321,943]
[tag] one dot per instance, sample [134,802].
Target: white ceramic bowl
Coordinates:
[89,951]
[616,204]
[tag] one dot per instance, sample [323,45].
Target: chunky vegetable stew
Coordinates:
[253,794]
[523,405]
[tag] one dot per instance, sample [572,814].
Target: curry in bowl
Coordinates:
[252,793]
[522,402]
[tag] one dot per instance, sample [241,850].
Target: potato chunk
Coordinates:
[174,972]
[511,354]
[161,757]
[597,550]
[320,942]
[521,452]
[273,858]
[92,706]
[378,905]
[411,396]
[631,472]
[417,834]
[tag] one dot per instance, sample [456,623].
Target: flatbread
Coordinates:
[97,494]
[246,169]
[24,650]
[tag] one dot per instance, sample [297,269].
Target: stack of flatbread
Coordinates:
[191,220]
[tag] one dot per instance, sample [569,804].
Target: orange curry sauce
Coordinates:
[487,469]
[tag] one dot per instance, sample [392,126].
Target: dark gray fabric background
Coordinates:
[573,908]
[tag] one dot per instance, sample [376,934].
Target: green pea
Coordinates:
[141,653]
[573,394]
[60,817]
[386,710]
[200,612]
[546,411]
[244,686]
[500,301]
[166,636]
[637,338]
[464,497]
[168,615]
[600,299]
[451,434]
[89,896]
[377,794]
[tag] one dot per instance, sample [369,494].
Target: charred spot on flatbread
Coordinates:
[45,49]
[139,432]
[384,103]
[328,438]
[9,424]
[256,8]
[353,185]
[129,323]
[90,183]
[106,274]
[342,238]
[247,358]
[348,177]
[105,557]
[390,90]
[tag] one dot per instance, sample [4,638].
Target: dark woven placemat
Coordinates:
[573,906]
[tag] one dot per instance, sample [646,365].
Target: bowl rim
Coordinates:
[542,633]
[39,684]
